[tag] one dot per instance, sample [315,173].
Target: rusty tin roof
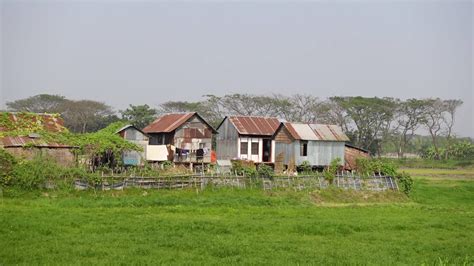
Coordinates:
[49,122]
[170,122]
[255,125]
[24,141]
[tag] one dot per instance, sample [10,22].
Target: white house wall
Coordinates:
[258,158]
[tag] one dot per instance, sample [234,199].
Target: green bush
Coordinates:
[405,182]
[458,151]
[265,171]
[41,172]
[305,167]
[385,167]
[245,168]
[166,165]
[7,164]
[367,167]
[331,171]
[33,174]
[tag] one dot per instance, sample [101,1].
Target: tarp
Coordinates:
[156,153]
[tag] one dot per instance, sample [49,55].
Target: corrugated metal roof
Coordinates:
[329,132]
[128,126]
[167,123]
[255,125]
[24,141]
[303,131]
[170,122]
[46,122]
[315,132]
[338,133]
[49,122]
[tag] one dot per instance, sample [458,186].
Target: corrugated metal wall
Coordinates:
[320,153]
[193,135]
[133,134]
[133,157]
[287,149]
[227,141]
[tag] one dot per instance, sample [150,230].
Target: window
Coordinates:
[244,148]
[254,148]
[303,148]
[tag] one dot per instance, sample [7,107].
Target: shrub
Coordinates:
[385,167]
[265,171]
[7,163]
[305,167]
[42,171]
[166,165]
[405,182]
[367,166]
[331,171]
[33,174]
[246,168]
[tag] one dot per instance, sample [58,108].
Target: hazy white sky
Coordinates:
[150,52]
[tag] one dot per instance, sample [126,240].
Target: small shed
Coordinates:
[247,138]
[138,137]
[20,135]
[317,144]
[186,137]
[351,154]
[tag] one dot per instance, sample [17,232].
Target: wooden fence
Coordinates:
[342,180]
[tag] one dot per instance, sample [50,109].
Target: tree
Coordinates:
[433,122]
[41,103]
[371,118]
[249,105]
[139,115]
[86,115]
[409,116]
[450,107]
[209,109]
[300,108]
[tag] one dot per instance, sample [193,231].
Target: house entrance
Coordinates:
[267,150]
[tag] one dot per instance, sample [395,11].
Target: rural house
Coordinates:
[247,138]
[180,138]
[140,138]
[21,136]
[315,143]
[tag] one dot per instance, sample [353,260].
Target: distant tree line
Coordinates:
[370,122]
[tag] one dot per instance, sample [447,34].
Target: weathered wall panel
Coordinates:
[62,156]
[351,155]
[227,141]
[286,149]
[320,153]
[283,136]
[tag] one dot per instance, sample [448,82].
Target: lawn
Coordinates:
[434,226]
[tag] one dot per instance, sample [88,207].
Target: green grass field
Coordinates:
[434,226]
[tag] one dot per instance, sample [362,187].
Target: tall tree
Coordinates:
[248,105]
[86,115]
[139,115]
[301,108]
[409,117]
[371,118]
[203,108]
[41,103]
[435,110]
[450,107]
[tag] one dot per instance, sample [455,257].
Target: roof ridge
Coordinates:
[255,116]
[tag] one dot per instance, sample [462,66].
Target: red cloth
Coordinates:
[213,157]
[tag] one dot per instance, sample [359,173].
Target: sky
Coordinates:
[149,52]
